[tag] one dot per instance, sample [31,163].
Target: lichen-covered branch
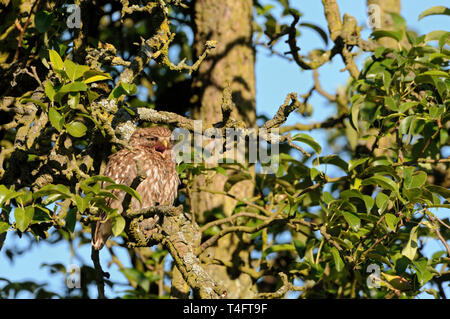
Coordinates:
[177,234]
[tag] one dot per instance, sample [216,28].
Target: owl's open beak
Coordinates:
[161,147]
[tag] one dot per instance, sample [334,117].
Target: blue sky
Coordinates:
[275,77]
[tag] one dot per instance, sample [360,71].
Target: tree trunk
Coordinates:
[229,22]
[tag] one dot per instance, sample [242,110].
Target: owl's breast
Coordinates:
[161,182]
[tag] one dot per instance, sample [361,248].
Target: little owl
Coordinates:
[152,148]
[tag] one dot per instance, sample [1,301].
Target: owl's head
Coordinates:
[157,139]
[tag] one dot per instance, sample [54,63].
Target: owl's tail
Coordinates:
[103,230]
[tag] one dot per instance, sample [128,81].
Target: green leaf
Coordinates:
[73,87]
[410,249]
[405,125]
[399,22]
[304,138]
[71,219]
[349,193]
[436,111]
[52,189]
[406,106]
[382,200]
[82,202]
[401,264]
[339,264]
[300,247]
[73,70]
[413,194]
[76,129]
[117,92]
[442,191]
[414,180]
[43,20]
[95,179]
[92,95]
[352,164]
[49,90]
[435,73]
[313,173]
[130,88]
[7,194]
[333,160]
[118,225]
[56,119]
[436,35]
[387,78]
[327,197]
[436,10]
[126,189]
[56,61]
[391,104]
[391,221]
[353,221]
[95,76]
[275,248]
[423,274]
[23,217]
[354,111]
[396,35]
[4,226]
[123,89]
[445,38]
[382,181]
[24,198]
[41,214]
[4,193]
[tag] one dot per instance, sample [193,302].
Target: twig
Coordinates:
[247,270]
[22,30]
[328,123]
[230,219]
[319,88]
[33,74]
[423,160]
[249,203]
[438,233]
[99,273]
[283,111]
[244,229]
[281,292]
[291,144]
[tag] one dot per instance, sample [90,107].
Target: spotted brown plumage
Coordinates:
[152,148]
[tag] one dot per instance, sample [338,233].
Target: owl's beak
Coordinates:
[165,143]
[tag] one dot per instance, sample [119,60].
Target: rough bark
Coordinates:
[229,22]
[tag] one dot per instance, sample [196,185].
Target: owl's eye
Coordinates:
[152,138]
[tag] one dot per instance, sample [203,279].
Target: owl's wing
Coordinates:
[121,168]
